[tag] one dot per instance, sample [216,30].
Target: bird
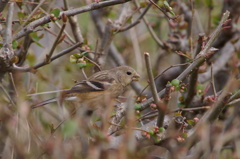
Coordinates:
[95,90]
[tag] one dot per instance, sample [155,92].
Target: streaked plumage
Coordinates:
[98,88]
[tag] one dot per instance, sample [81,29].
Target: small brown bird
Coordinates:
[93,92]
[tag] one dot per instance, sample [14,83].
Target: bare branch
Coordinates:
[137,21]
[154,90]
[194,75]
[48,56]
[74,25]
[202,56]
[30,27]
[7,40]
[29,69]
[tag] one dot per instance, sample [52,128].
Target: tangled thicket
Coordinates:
[186,104]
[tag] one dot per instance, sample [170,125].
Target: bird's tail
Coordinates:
[44,103]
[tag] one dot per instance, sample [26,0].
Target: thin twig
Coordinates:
[162,10]
[13,83]
[83,72]
[70,43]
[98,66]
[59,26]
[200,59]
[43,63]
[234,101]
[150,29]
[125,126]
[154,90]
[162,74]
[194,76]
[137,21]
[46,19]
[6,93]
[31,14]
[49,55]
[212,82]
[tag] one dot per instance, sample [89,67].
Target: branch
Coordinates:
[154,90]
[226,53]
[74,25]
[28,69]
[46,19]
[7,39]
[150,29]
[137,21]
[212,114]
[202,56]
[194,75]
[162,10]
[48,56]
[6,52]
[32,13]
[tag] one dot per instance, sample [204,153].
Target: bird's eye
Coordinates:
[129,73]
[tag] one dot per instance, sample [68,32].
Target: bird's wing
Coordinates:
[89,86]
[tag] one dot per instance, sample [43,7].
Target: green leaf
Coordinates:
[160,3]
[200,89]
[190,122]
[177,114]
[167,5]
[36,38]
[172,13]
[82,64]
[161,130]
[14,44]
[55,12]
[77,55]
[137,106]
[175,82]
[21,15]
[72,59]
[31,59]
[46,25]
[184,135]
[143,4]
[209,3]
[69,128]
[151,133]
[84,53]
[180,105]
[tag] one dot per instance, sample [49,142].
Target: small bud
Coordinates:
[52,16]
[144,134]
[153,106]
[180,139]
[64,18]
[148,136]
[144,99]
[15,59]
[196,119]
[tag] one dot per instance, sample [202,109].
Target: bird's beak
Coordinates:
[136,77]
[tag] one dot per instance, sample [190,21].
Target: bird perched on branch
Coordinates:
[98,88]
